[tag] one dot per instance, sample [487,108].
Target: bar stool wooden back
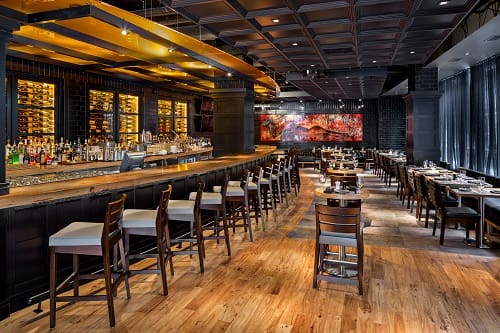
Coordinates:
[149,222]
[340,227]
[88,238]
[189,211]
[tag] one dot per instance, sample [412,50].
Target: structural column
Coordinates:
[234,119]
[422,116]
[6,28]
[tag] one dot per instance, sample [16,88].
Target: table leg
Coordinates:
[481,225]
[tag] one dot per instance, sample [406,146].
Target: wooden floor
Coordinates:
[411,283]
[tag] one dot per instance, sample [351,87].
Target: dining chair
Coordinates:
[452,215]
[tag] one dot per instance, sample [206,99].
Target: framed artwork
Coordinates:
[338,127]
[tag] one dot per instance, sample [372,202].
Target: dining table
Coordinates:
[343,195]
[476,191]
[462,186]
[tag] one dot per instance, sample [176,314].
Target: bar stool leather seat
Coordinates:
[208,198]
[78,234]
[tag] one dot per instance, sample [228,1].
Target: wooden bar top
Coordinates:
[41,193]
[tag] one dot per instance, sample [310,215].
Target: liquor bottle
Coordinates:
[43,160]
[15,154]
[85,151]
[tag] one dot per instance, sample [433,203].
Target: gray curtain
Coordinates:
[484,107]
[469,118]
[454,119]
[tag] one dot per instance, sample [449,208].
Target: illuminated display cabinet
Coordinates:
[164,116]
[129,118]
[181,118]
[36,110]
[101,114]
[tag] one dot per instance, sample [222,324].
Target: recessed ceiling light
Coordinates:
[347,77]
[412,52]
[374,61]
[209,66]
[312,65]
[276,20]
[124,32]
[442,3]
[229,74]
[467,53]
[295,44]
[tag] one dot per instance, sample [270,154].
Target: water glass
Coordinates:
[359,183]
[482,183]
[462,175]
[355,164]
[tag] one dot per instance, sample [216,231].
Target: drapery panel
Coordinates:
[469,118]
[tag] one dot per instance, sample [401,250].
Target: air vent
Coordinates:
[455,59]
[493,38]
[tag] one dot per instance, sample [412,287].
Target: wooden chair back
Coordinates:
[162,212]
[338,220]
[111,231]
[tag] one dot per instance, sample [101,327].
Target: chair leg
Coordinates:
[226,234]
[76,270]
[161,262]
[109,289]
[427,215]
[201,252]
[53,282]
[434,227]
[125,269]
[441,237]
[316,264]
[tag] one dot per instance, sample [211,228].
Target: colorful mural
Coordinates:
[340,127]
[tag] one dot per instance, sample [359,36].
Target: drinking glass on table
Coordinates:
[482,183]
[355,162]
[462,175]
[359,183]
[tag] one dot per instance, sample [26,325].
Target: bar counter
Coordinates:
[30,214]
[27,195]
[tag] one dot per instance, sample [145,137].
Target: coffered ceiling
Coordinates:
[314,49]
[325,49]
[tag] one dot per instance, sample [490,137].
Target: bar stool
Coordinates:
[189,211]
[238,195]
[87,238]
[254,193]
[340,227]
[151,222]
[216,202]
[267,189]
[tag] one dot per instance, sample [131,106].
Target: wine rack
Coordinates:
[101,114]
[164,116]
[129,118]
[36,110]
[181,117]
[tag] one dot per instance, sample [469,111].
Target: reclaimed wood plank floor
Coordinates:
[411,283]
